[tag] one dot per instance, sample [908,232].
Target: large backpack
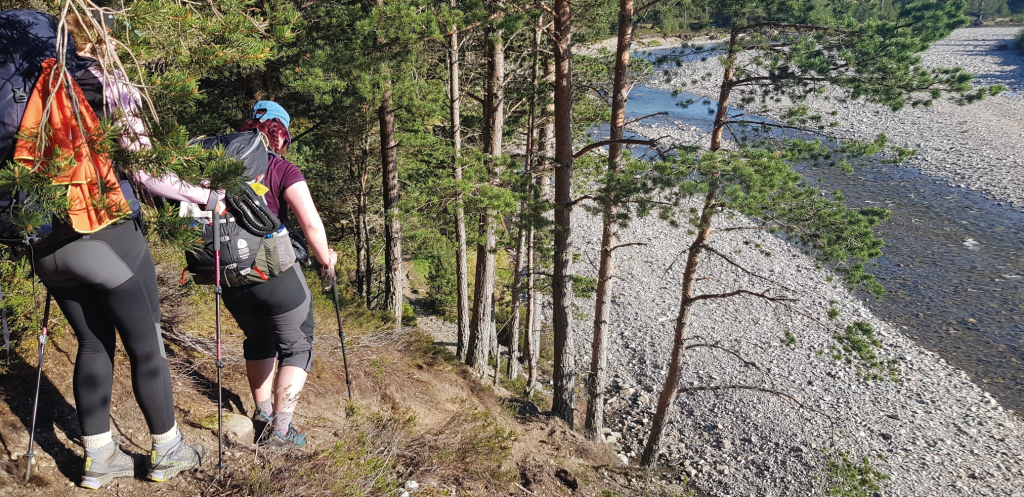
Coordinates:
[248,254]
[30,38]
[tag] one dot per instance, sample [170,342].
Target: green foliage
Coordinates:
[379,368]
[788,338]
[360,465]
[171,229]
[760,183]
[1019,41]
[515,385]
[433,353]
[408,315]
[793,49]
[988,10]
[583,287]
[859,343]
[46,202]
[22,301]
[168,49]
[849,478]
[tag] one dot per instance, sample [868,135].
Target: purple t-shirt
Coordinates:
[280,175]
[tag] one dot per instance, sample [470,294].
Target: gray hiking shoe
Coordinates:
[104,464]
[261,427]
[291,440]
[173,458]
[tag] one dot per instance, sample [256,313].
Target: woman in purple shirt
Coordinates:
[277,315]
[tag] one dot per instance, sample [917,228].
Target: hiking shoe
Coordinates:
[104,464]
[261,427]
[166,462]
[291,440]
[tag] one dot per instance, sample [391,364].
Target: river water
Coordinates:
[953,263]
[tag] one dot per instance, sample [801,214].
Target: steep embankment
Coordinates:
[416,415]
[940,433]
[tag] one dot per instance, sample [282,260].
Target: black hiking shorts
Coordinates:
[276,317]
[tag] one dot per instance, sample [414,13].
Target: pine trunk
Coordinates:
[483,298]
[392,223]
[546,139]
[364,218]
[517,293]
[563,403]
[496,128]
[479,345]
[602,307]
[461,269]
[362,244]
[668,394]
[531,349]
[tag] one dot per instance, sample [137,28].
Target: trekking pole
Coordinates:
[43,336]
[7,330]
[341,333]
[220,361]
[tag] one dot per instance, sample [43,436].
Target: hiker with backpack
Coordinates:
[277,315]
[263,288]
[95,263]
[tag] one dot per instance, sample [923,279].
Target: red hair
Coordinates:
[273,128]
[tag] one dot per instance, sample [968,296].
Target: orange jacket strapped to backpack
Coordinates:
[90,210]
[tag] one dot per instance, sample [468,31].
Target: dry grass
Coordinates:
[470,444]
[417,415]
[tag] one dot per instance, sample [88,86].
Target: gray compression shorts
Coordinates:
[277,319]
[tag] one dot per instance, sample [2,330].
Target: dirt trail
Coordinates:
[417,415]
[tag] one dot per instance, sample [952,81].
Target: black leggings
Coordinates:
[101,282]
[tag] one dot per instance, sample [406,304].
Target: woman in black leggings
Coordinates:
[105,281]
[102,282]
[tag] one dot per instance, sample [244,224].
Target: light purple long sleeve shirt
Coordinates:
[124,101]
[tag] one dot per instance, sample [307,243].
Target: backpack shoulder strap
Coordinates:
[249,147]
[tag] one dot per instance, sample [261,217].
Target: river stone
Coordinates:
[237,429]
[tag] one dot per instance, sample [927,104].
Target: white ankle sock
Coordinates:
[94,442]
[163,438]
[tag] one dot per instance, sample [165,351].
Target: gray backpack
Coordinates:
[255,245]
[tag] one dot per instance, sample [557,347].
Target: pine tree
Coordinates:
[783,49]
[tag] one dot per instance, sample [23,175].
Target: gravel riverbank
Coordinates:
[979,146]
[938,433]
